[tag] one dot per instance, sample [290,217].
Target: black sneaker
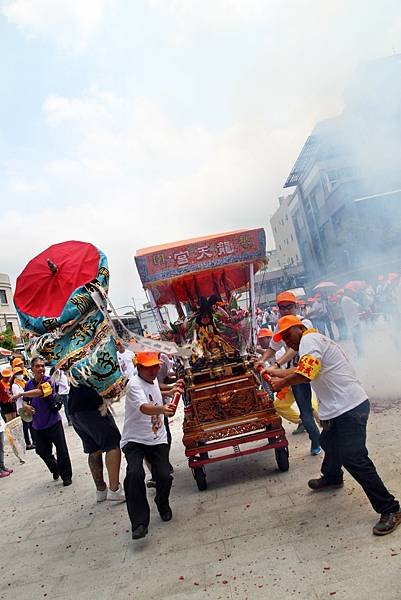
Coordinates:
[317,485]
[139,532]
[387,523]
[56,476]
[167,515]
[67,482]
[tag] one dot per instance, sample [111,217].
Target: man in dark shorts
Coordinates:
[98,434]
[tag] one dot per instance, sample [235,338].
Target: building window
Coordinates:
[292,238]
[337,175]
[10,326]
[279,246]
[3,297]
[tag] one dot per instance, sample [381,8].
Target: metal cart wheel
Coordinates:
[282,458]
[199,474]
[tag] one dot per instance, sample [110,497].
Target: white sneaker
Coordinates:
[117,496]
[101,495]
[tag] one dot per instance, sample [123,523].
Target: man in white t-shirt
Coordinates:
[352,310]
[343,411]
[144,436]
[287,305]
[125,360]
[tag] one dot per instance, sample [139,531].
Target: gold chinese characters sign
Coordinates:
[161,263]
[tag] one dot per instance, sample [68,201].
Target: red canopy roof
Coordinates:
[214,264]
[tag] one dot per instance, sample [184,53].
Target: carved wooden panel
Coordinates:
[203,434]
[224,400]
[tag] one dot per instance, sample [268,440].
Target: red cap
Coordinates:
[286,297]
[285,323]
[147,359]
[265,332]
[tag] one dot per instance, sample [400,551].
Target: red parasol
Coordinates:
[50,278]
[5,352]
[355,286]
[325,285]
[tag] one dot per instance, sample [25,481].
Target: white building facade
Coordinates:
[8,314]
[288,252]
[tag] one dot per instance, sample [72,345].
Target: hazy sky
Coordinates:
[129,123]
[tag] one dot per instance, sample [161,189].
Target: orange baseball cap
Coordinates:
[147,359]
[18,370]
[264,332]
[17,361]
[6,372]
[285,323]
[286,297]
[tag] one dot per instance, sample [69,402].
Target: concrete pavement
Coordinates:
[255,533]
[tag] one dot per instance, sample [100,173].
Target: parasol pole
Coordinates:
[178,306]
[252,303]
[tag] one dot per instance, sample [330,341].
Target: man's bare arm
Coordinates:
[287,356]
[158,409]
[289,377]
[36,393]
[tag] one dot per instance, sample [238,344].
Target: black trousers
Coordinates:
[167,426]
[134,483]
[345,445]
[29,433]
[44,439]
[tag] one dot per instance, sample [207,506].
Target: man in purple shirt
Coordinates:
[39,401]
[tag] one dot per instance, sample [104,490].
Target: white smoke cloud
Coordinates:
[202,148]
[135,178]
[70,23]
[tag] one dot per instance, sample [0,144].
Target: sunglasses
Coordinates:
[286,306]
